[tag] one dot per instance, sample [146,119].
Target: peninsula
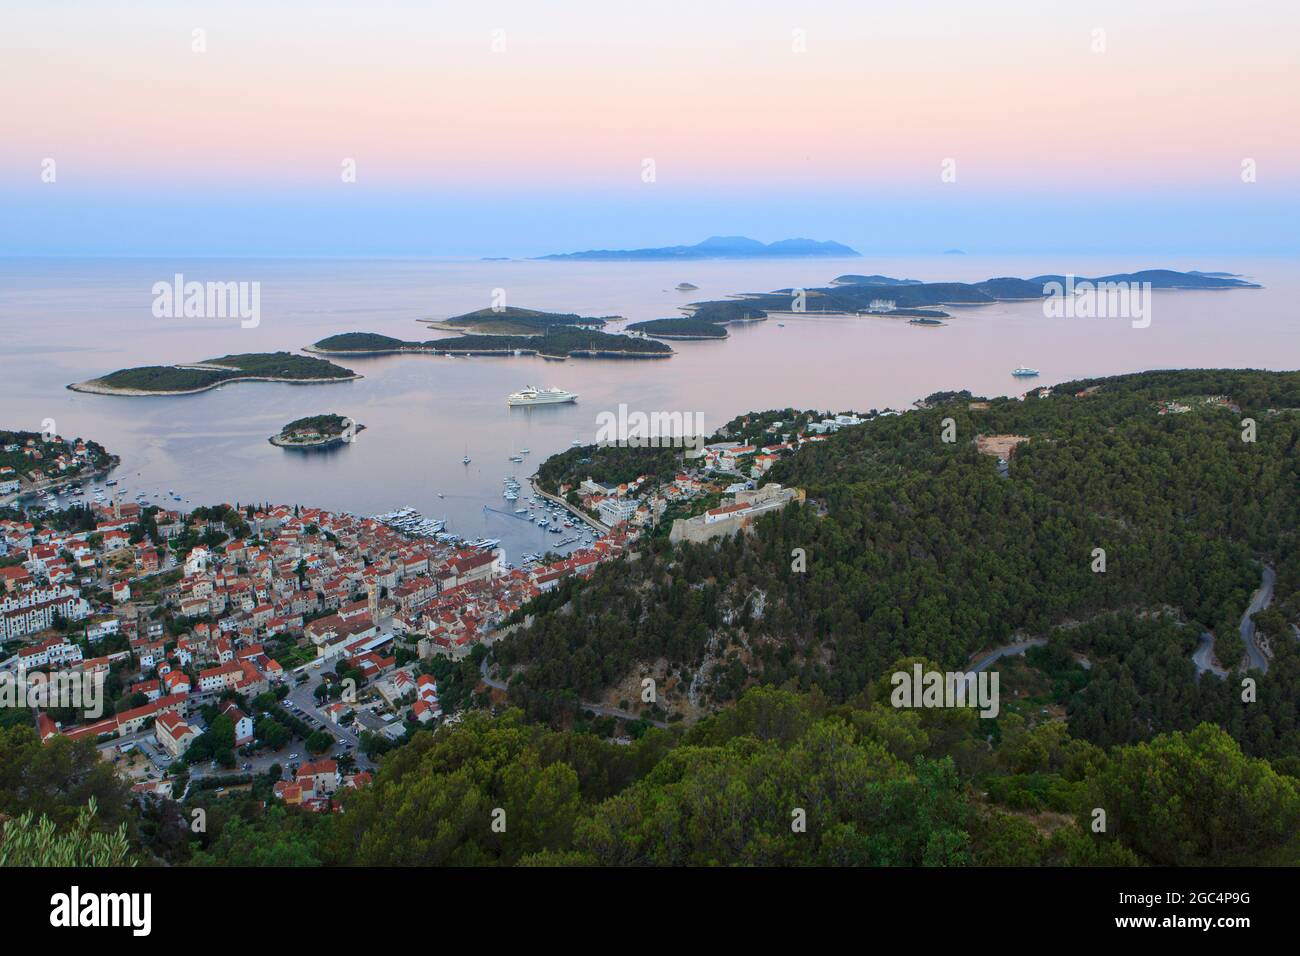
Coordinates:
[197,377]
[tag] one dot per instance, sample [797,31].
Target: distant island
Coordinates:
[686,287]
[717,247]
[559,343]
[196,377]
[873,280]
[316,431]
[723,311]
[883,295]
[560,335]
[514,321]
[679,329]
[1008,288]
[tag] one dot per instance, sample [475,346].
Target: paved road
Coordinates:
[1006,650]
[147,744]
[995,655]
[301,695]
[1203,657]
[1261,599]
[597,709]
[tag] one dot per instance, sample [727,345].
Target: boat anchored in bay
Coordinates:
[533,395]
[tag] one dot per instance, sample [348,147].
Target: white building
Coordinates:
[614,510]
[196,562]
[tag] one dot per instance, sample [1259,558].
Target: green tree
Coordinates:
[24,842]
[1196,800]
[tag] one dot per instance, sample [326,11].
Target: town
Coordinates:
[237,630]
[236,640]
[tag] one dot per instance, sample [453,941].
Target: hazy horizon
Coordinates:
[300,130]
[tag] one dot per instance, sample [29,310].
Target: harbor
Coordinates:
[538,526]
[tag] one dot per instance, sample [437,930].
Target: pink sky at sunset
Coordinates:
[522,126]
[717,99]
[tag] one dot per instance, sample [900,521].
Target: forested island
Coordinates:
[852,294]
[211,373]
[886,297]
[520,331]
[679,329]
[560,342]
[512,320]
[316,431]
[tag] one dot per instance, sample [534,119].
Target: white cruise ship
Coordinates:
[532,395]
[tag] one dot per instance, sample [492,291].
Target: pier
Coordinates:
[566,506]
[508,514]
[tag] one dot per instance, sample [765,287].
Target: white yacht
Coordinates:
[532,395]
[1024,372]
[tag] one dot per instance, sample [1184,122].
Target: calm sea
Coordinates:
[69,320]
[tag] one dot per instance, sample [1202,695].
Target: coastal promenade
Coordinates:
[576,512]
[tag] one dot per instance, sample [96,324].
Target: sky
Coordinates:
[519,128]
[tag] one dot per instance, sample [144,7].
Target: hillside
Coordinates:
[917,547]
[919,554]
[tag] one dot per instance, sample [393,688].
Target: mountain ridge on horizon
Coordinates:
[718,247]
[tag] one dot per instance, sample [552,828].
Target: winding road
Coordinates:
[598,709]
[1262,598]
[1203,657]
[1006,650]
[1256,659]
